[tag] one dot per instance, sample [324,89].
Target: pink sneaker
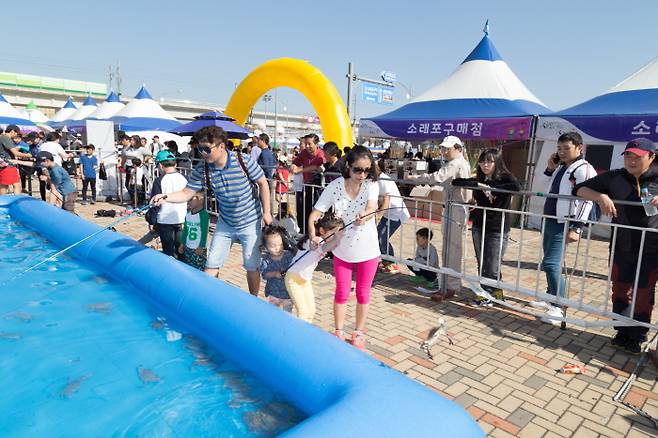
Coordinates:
[339,334]
[358,341]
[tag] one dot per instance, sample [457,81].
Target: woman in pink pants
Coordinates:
[353,197]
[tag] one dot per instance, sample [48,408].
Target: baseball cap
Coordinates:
[42,156]
[164,156]
[12,128]
[640,146]
[451,141]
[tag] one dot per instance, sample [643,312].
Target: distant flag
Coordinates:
[486,28]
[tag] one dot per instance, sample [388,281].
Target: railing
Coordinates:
[584,264]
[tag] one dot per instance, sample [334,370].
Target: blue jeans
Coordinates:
[489,260]
[553,244]
[225,235]
[385,229]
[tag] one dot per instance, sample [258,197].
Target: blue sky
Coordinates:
[564,51]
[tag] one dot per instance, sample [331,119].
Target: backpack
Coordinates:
[595,212]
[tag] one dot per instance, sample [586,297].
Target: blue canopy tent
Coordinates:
[212,118]
[606,122]
[482,98]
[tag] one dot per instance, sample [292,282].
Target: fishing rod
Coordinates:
[369,214]
[116,222]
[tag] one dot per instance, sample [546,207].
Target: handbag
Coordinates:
[253,185]
[102,173]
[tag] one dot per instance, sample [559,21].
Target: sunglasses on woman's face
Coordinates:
[361,169]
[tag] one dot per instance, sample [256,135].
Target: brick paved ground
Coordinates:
[502,366]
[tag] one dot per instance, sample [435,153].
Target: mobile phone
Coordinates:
[555,158]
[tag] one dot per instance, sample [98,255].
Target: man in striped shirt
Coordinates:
[241,212]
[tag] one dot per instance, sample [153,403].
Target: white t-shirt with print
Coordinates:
[305,261]
[359,242]
[398,211]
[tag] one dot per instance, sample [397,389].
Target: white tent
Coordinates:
[65,112]
[32,112]
[144,114]
[11,116]
[87,108]
[110,107]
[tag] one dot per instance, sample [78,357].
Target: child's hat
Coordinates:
[164,156]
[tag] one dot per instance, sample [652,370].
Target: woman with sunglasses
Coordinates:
[353,198]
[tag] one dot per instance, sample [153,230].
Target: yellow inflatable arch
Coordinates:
[303,77]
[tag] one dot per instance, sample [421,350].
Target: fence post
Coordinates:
[447,199]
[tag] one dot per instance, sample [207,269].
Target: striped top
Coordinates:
[237,207]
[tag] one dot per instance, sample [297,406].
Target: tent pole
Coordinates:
[530,165]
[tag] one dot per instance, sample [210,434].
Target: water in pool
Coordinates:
[81,355]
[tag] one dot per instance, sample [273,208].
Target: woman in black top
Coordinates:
[490,235]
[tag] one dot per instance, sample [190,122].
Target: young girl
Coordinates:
[490,236]
[354,199]
[276,259]
[193,239]
[300,273]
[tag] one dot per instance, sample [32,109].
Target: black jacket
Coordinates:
[500,200]
[620,185]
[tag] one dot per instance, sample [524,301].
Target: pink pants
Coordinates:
[365,273]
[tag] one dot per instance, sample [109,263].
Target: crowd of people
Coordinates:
[344,203]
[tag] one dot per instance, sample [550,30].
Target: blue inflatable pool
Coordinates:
[343,391]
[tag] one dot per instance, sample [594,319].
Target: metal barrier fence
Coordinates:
[585,264]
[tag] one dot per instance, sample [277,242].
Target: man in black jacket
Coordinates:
[631,246]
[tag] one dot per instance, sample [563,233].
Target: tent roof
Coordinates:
[65,112]
[108,108]
[88,107]
[144,112]
[637,94]
[7,109]
[482,87]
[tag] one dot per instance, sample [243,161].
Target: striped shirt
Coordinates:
[237,206]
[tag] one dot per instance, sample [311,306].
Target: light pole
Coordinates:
[276,116]
[266,98]
[410,94]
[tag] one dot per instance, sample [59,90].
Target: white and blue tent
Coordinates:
[482,98]
[606,122]
[65,112]
[88,107]
[144,114]
[108,108]
[11,116]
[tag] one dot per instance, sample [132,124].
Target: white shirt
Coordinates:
[54,148]
[398,210]
[255,153]
[131,153]
[307,263]
[172,213]
[359,242]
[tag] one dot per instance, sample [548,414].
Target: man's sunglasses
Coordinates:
[204,149]
[361,169]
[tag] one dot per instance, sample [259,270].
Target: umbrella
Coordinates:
[212,118]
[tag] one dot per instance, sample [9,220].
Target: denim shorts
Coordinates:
[225,235]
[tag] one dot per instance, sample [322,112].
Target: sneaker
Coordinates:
[392,268]
[554,312]
[481,302]
[358,341]
[83,202]
[632,346]
[339,334]
[498,294]
[92,202]
[440,296]
[542,305]
[619,340]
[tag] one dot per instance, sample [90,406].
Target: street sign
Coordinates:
[389,76]
[375,93]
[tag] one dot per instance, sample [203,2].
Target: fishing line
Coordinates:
[51,257]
